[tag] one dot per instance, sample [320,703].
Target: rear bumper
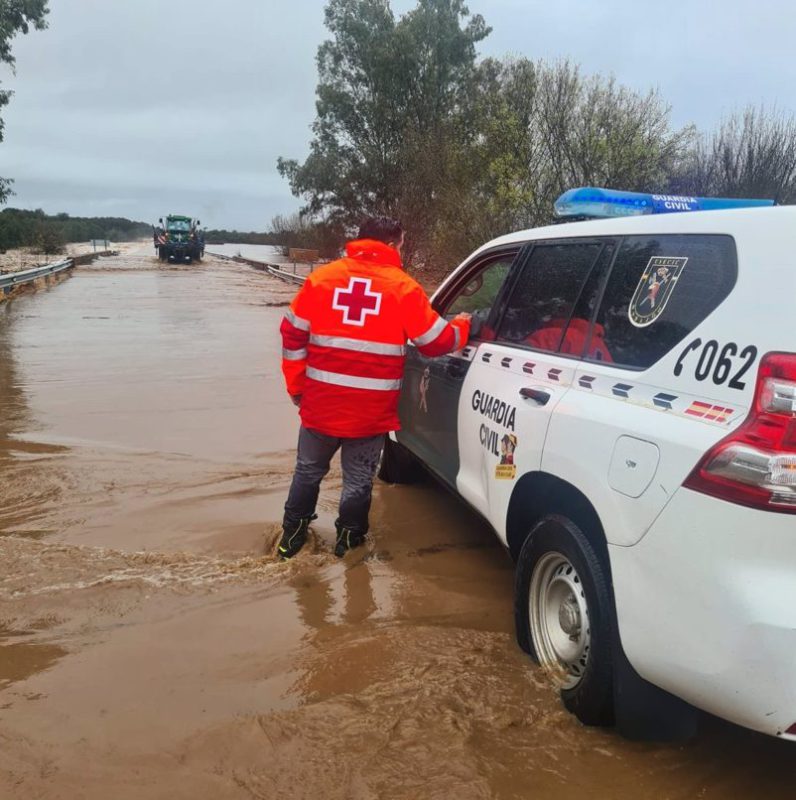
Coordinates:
[706,603]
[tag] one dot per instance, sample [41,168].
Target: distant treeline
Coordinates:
[49,233]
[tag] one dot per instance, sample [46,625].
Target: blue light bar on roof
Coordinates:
[592,202]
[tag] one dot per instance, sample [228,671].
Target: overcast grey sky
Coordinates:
[140,108]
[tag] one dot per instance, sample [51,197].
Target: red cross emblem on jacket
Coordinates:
[357,301]
[347,367]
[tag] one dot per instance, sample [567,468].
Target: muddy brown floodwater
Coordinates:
[150,647]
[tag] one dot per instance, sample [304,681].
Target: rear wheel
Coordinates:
[398,465]
[565,617]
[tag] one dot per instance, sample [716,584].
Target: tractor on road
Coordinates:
[179,238]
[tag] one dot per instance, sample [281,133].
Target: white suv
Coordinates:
[624,416]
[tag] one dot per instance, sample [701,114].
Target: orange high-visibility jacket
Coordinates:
[344,340]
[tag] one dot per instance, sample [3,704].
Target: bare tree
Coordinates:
[752,154]
[303,230]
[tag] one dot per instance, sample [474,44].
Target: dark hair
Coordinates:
[382,229]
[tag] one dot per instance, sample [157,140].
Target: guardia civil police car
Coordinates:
[625,418]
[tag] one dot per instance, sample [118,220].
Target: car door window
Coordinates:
[479,294]
[539,312]
[659,290]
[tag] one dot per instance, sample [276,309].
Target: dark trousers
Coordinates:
[360,459]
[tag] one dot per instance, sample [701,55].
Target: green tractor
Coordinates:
[179,238]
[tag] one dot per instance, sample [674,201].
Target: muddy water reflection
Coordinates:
[28,488]
[145,449]
[20,657]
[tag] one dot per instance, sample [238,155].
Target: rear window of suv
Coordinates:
[660,288]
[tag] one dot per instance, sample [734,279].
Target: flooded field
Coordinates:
[150,646]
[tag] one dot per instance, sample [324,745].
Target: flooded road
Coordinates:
[150,647]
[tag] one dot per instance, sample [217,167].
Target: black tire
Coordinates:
[398,465]
[591,698]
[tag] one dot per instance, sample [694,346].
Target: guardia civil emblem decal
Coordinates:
[507,469]
[655,289]
[424,383]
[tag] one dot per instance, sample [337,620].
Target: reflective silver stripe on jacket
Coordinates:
[354,381]
[358,345]
[457,338]
[296,321]
[432,333]
[294,355]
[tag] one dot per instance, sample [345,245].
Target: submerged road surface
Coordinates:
[150,647]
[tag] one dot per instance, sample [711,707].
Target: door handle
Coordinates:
[538,396]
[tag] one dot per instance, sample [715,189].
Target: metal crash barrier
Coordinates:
[11,280]
[285,276]
[263,266]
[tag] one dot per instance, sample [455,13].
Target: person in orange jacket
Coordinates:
[578,332]
[343,350]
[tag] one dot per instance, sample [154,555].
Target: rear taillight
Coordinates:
[756,464]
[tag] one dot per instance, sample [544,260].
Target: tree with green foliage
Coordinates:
[545,128]
[48,239]
[16,16]
[411,125]
[392,95]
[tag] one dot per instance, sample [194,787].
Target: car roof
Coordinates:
[728,222]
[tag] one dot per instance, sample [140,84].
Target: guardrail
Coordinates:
[11,280]
[263,266]
[285,276]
